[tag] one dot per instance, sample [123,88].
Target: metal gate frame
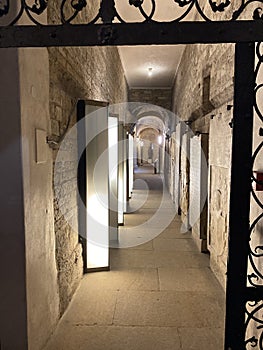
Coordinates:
[237,292]
[210,28]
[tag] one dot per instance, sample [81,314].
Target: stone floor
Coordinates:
[160,293]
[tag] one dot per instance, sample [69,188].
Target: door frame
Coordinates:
[244,34]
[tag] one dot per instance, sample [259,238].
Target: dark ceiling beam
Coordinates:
[145,33]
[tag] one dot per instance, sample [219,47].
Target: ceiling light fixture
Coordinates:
[150,72]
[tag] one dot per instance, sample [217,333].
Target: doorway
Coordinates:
[238,293]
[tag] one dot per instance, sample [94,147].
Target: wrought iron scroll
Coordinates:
[254,325]
[254,309]
[108,11]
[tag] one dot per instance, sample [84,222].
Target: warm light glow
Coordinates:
[150,72]
[125,179]
[97,232]
[113,160]
[160,139]
[97,193]
[97,257]
[97,208]
[120,200]
[131,151]
[113,175]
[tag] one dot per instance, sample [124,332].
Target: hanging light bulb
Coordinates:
[150,72]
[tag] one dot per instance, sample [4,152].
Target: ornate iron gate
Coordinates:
[215,21]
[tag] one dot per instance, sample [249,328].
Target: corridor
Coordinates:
[159,295]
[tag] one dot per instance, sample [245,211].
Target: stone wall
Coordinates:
[158,97]
[76,73]
[203,96]
[219,191]
[68,250]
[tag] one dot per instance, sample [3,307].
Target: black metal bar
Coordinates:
[131,34]
[240,197]
[254,294]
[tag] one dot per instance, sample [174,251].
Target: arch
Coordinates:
[151,115]
[150,122]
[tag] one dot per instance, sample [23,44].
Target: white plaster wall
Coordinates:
[29,296]
[13,313]
[42,290]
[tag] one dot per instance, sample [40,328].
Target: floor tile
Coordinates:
[188,280]
[132,258]
[184,245]
[115,338]
[174,233]
[180,259]
[133,279]
[89,307]
[202,338]
[176,309]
